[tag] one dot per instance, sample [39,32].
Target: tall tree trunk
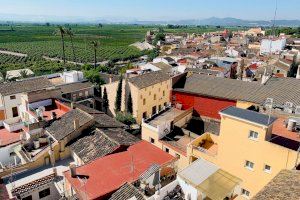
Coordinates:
[63,46]
[95,58]
[73,50]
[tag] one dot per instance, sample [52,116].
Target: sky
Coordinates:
[153,9]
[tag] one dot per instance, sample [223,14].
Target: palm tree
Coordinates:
[95,46]
[4,77]
[71,34]
[24,73]
[61,31]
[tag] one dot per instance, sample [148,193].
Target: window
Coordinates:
[149,93]
[153,110]
[159,107]
[159,89]
[154,97]
[245,193]
[141,96]
[144,115]
[165,104]
[44,193]
[144,101]
[267,168]
[164,93]
[12,97]
[253,135]
[27,198]
[167,150]
[152,140]
[177,155]
[80,94]
[249,165]
[15,111]
[86,93]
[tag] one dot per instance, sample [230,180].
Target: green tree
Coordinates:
[125,118]
[24,74]
[95,45]
[94,77]
[105,101]
[293,69]
[159,37]
[129,104]
[119,95]
[4,77]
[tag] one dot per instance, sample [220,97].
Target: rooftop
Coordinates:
[7,138]
[105,175]
[248,115]
[162,65]
[285,185]
[25,85]
[218,87]
[102,120]
[73,87]
[280,129]
[210,179]
[149,79]
[127,191]
[165,116]
[65,125]
[98,143]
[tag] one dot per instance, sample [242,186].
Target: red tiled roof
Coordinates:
[7,138]
[105,175]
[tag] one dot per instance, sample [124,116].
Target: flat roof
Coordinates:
[248,115]
[106,175]
[168,115]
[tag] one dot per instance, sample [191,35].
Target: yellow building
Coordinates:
[251,146]
[150,93]
[247,144]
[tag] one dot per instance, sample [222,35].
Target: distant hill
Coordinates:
[214,21]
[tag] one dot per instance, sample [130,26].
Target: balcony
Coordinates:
[204,145]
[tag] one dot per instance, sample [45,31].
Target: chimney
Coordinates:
[73,170]
[298,73]
[264,77]
[76,124]
[54,171]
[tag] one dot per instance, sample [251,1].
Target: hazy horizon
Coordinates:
[143,10]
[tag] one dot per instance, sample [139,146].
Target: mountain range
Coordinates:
[213,21]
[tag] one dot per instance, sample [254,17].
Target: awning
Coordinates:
[219,185]
[209,179]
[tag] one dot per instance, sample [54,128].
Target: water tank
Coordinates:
[291,125]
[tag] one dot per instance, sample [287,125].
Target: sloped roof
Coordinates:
[162,65]
[65,125]
[248,115]
[26,85]
[93,145]
[73,87]
[109,173]
[127,191]
[219,87]
[284,186]
[148,79]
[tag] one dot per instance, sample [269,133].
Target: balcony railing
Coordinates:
[204,150]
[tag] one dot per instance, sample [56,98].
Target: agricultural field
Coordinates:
[38,41]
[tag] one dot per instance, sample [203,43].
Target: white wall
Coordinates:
[187,189]
[35,193]
[10,103]
[5,157]
[268,46]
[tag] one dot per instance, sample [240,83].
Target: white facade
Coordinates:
[8,103]
[72,76]
[6,157]
[268,46]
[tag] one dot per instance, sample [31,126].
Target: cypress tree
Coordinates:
[119,96]
[105,100]
[129,103]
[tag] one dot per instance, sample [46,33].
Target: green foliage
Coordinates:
[93,76]
[125,118]
[153,54]
[159,37]
[118,101]
[293,69]
[286,30]
[129,103]
[105,100]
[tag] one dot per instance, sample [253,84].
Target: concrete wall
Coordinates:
[54,194]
